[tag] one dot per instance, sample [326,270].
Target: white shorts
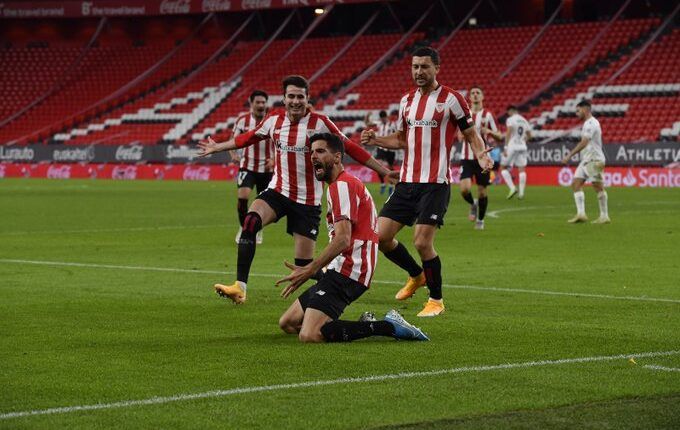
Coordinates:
[515,158]
[590,170]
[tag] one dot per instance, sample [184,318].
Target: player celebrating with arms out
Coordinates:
[426,129]
[293,192]
[591,166]
[351,257]
[256,166]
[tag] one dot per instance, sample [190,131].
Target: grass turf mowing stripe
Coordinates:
[319,383]
[272,275]
[116,230]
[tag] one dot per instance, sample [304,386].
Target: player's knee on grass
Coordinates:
[287,325]
[310,336]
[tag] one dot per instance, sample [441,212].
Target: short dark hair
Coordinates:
[297,81]
[427,51]
[383,114]
[333,141]
[476,86]
[258,93]
[584,103]
[512,107]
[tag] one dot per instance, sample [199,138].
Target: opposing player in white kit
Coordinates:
[591,166]
[517,134]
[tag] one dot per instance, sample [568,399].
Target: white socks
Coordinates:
[602,200]
[580,199]
[522,182]
[507,178]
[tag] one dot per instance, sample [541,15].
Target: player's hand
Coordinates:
[269,163]
[368,137]
[235,156]
[565,160]
[485,162]
[206,147]
[393,177]
[297,277]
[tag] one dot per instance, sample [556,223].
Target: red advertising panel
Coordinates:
[537,175]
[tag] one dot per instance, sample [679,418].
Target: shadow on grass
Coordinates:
[631,413]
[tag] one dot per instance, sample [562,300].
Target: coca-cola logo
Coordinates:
[192,173]
[124,172]
[175,6]
[256,4]
[129,153]
[216,5]
[59,172]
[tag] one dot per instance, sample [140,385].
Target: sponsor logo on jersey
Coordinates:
[288,148]
[423,123]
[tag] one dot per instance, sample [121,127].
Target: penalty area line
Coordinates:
[280,275]
[319,383]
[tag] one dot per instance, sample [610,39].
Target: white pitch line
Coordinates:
[494,214]
[319,383]
[662,368]
[113,230]
[280,275]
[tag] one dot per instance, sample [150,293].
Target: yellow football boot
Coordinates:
[412,284]
[236,292]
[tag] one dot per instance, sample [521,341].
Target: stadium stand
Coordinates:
[641,104]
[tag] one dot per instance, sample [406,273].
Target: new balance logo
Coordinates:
[321,292]
[433,217]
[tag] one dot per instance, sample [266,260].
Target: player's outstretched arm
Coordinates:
[207,147]
[477,145]
[299,275]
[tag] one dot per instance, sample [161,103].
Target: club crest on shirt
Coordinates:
[440,107]
[310,133]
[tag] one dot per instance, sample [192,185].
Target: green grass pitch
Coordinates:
[541,318]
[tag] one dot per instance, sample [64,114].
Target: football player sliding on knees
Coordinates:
[349,259]
[294,192]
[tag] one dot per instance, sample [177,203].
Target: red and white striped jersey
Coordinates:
[254,157]
[385,129]
[483,118]
[293,170]
[430,124]
[348,199]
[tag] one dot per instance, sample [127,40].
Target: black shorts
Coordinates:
[470,168]
[386,155]
[332,294]
[302,219]
[249,179]
[419,203]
